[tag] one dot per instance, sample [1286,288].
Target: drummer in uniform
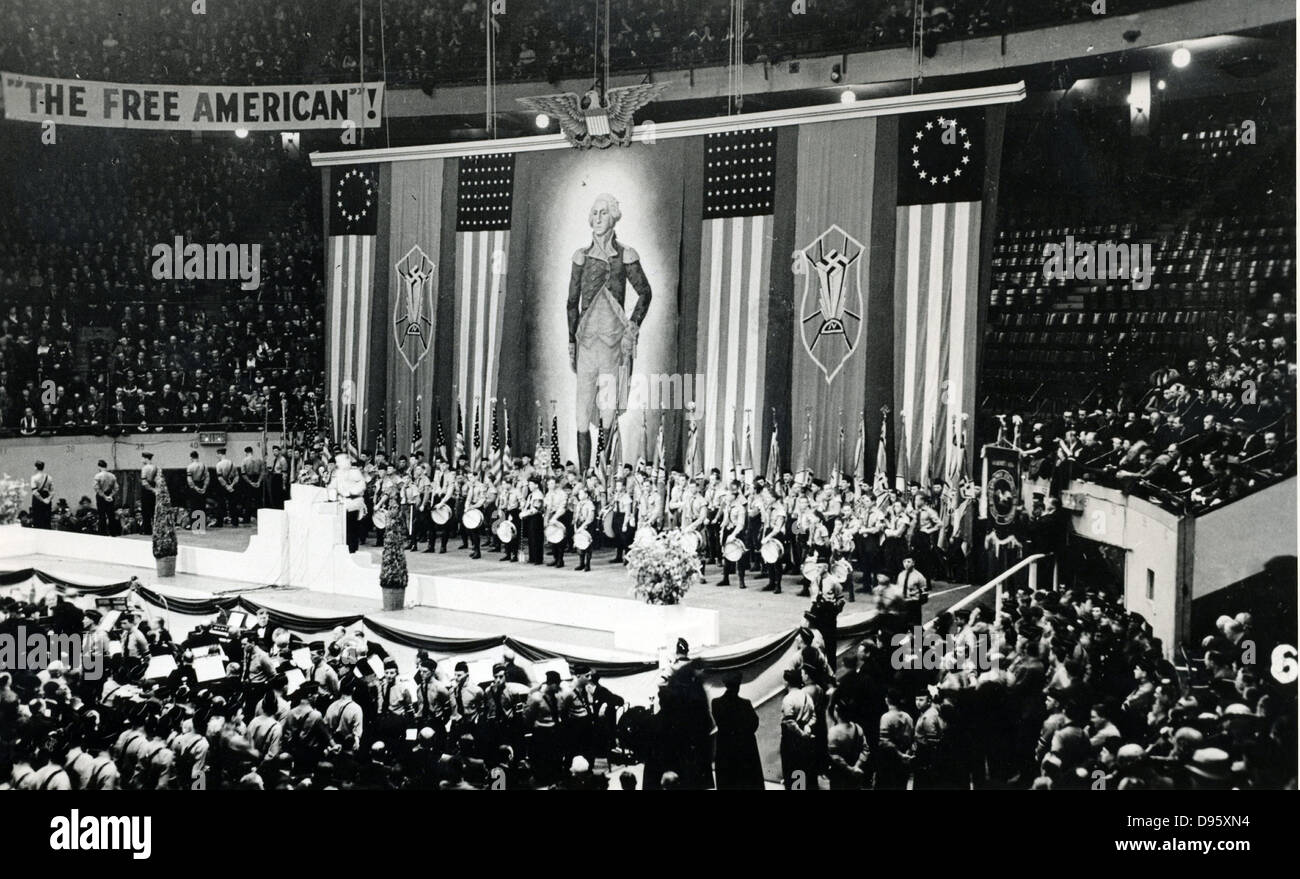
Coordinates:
[226,494]
[775,530]
[442,493]
[148,490]
[531,520]
[695,514]
[511,501]
[584,522]
[413,498]
[735,520]
[196,483]
[558,513]
[623,512]
[714,497]
[475,499]
[463,479]
[819,548]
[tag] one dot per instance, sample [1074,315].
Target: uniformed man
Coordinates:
[106,501]
[774,529]
[322,674]
[532,521]
[42,497]
[279,478]
[227,491]
[915,588]
[442,493]
[465,699]
[543,717]
[252,475]
[624,520]
[558,513]
[512,502]
[476,499]
[345,720]
[149,476]
[584,521]
[735,520]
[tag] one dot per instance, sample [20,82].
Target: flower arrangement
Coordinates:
[392,566]
[11,499]
[164,531]
[663,569]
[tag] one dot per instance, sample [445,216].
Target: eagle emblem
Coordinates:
[600,118]
[413,314]
[831,320]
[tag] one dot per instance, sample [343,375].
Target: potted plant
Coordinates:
[164,533]
[393,576]
[662,568]
[11,500]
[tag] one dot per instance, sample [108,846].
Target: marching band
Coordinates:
[795,526]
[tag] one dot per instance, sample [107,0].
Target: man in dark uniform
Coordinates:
[602,336]
[148,490]
[279,481]
[42,497]
[106,501]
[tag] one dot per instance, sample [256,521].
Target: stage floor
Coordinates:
[744,614]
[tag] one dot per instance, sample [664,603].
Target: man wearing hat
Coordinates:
[498,723]
[344,719]
[322,674]
[514,674]
[106,501]
[42,497]
[465,700]
[578,714]
[433,699]
[396,706]
[148,490]
[544,717]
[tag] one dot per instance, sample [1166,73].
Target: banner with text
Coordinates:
[191,107]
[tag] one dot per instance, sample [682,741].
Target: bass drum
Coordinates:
[505,531]
[771,550]
[472,520]
[441,514]
[554,533]
[733,550]
[691,541]
[582,539]
[607,522]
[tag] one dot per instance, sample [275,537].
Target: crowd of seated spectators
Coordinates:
[241,42]
[90,341]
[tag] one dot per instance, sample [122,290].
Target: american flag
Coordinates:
[692,443]
[380,446]
[539,454]
[494,460]
[508,453]
[354,447]
[439,438]
[601,439]
[773,456]
[483,207]
[555,443]
[859,468]
[940,189]
[417,435]
[739,183]
[349,293]
[476,456]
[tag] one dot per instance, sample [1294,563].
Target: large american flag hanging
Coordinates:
[483,210]
[353,225]
[735,262]
[940,191]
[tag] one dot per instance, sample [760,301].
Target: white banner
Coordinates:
[192,107]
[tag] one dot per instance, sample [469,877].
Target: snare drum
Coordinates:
[380,518]
[691,541]
[441,514]
[582,539]
[505,531]
[841,570]
[554,533]
[733,550]
[472,520]
[771,550]
[812,569]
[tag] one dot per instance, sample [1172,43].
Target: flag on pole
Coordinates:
[838,470]
[392,434]
[476,451]
[354,447]
[773,455]
[598,463]
[459,450]
[539,454]
[613,450]
[380,447]
[417,432]
[507,456]
[747,446]
[440,437]
[860,452]
[806,450]
[692,442]
[494,458]
[555,442]
[881,480]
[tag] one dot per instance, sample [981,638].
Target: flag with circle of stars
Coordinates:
[941,157]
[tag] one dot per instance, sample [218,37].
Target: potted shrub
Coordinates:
[393,576]
[164,533]
[662,569]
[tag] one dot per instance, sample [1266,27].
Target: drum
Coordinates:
[733,550]
[607,522]
[582,539]
[771,550]
[554,533]
[380,518]
[841,570]
[812,569]
[691,541]
[472,520]
[505,531]
[441,514]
